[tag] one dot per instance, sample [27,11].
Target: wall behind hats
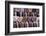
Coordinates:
[2,18]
